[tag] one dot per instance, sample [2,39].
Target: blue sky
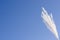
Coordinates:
[21,19]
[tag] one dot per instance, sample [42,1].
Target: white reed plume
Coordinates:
[49,22]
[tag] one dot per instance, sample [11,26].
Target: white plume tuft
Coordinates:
[49,22]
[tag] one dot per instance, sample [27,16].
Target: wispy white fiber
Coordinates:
[49,22]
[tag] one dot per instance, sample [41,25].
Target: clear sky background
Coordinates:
[21,19]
